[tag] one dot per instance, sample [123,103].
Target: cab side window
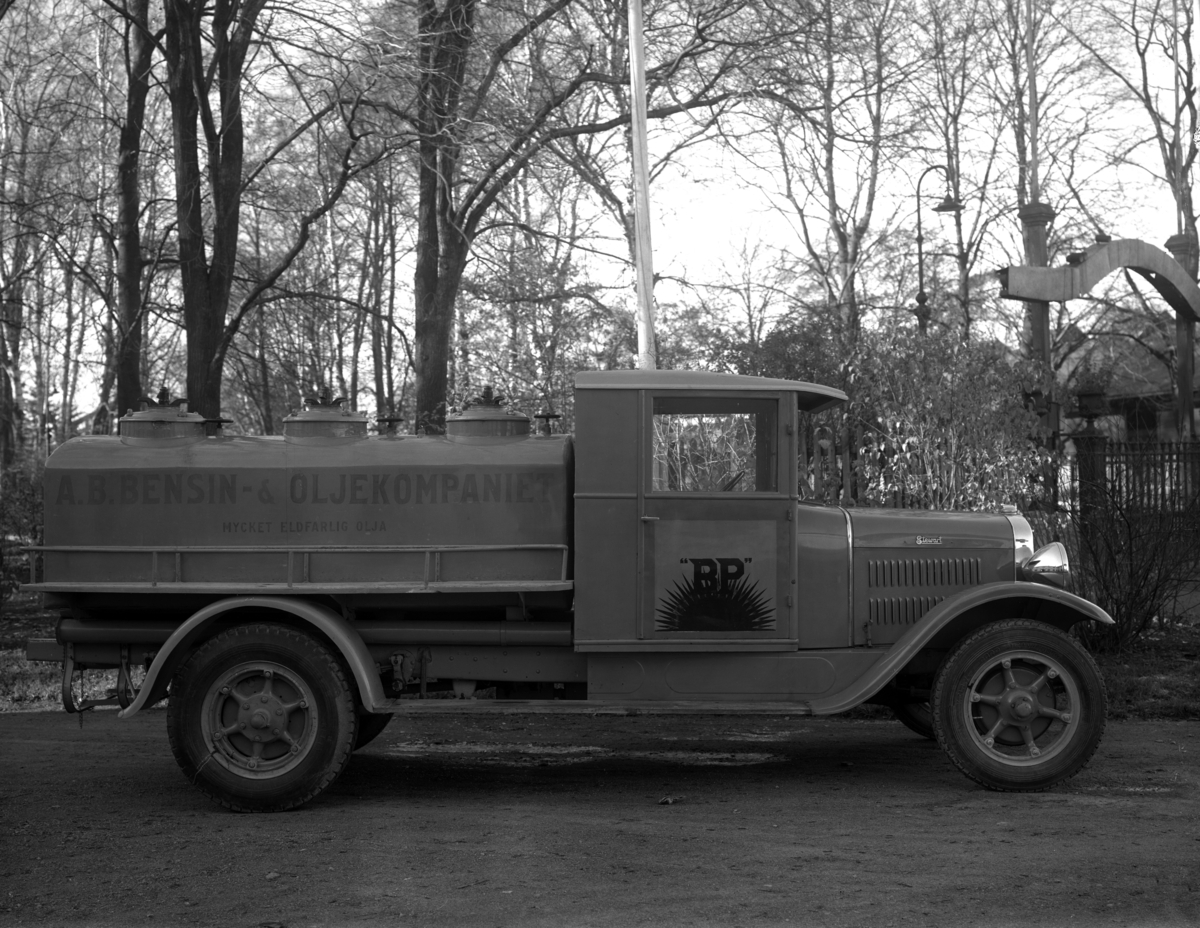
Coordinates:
[714,445]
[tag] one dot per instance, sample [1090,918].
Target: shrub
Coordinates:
[20,525]
[1132,561]
[947,428]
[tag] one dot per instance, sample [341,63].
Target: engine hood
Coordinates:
[929,532]
[905,562]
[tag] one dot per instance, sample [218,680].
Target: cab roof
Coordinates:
[811,397]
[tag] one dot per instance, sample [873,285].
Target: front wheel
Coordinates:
[261,718]
[1019,705]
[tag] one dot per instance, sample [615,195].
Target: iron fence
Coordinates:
[1153,475]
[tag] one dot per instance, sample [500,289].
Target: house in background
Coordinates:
[1141,399]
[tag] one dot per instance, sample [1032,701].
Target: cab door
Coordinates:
[717,502]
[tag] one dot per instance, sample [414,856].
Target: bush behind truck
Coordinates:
[292,593]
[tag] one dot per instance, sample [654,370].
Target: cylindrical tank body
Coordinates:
[255,514]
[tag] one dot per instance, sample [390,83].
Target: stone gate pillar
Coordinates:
[1034,219]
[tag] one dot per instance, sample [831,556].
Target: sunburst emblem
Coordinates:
[737,606]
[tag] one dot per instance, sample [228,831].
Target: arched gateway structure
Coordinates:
[1084,271]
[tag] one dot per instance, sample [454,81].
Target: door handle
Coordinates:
[649,518]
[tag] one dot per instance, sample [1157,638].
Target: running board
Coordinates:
[588,707]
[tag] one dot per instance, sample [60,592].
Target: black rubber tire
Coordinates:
[370,727]
[243,682]
[916,717]
[1044,712]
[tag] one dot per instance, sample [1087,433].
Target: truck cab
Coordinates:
[686,505]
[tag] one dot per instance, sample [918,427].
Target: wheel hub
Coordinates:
[1020,706]
[259,718]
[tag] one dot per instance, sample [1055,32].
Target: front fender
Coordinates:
[957,616]
[333,626]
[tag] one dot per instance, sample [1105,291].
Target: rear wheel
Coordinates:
[1019,706]
[261,718]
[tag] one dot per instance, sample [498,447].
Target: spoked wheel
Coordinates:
[261,718]
[1019,706]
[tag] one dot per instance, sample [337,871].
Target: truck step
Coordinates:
[588,707]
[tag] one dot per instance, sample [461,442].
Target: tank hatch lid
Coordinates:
[485,419]
[323,420]
[811,397]
[162,422]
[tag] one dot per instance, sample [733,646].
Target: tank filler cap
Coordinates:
[163,422]
[323,421]
[485,420]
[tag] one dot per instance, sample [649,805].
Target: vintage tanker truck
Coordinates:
[290,593]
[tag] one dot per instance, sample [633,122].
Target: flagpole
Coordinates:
[643,251]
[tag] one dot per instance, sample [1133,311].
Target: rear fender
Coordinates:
[331,625]
[954,618]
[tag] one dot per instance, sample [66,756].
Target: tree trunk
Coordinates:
[140,45]
[264,376]
[374,248]
[431,331]
[390,339]
[442,249]
[206,284]
[69,360]
[193,260]
[12,324]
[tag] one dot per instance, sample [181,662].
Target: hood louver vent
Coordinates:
[900,610]
[930,580]
[924,572]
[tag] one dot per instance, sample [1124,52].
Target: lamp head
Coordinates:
[948,205]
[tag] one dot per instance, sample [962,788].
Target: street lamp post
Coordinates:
[948,205]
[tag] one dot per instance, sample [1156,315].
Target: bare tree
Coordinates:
[527,316]
[138,50]
[35,108]
[1129,40]
[492,86]
[206,50]
[1073,116]
[834,122]
[953,95]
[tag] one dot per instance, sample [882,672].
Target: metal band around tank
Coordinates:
[430,579]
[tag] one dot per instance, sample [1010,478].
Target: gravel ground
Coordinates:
[574,820]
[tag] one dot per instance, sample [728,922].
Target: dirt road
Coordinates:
[558,821]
